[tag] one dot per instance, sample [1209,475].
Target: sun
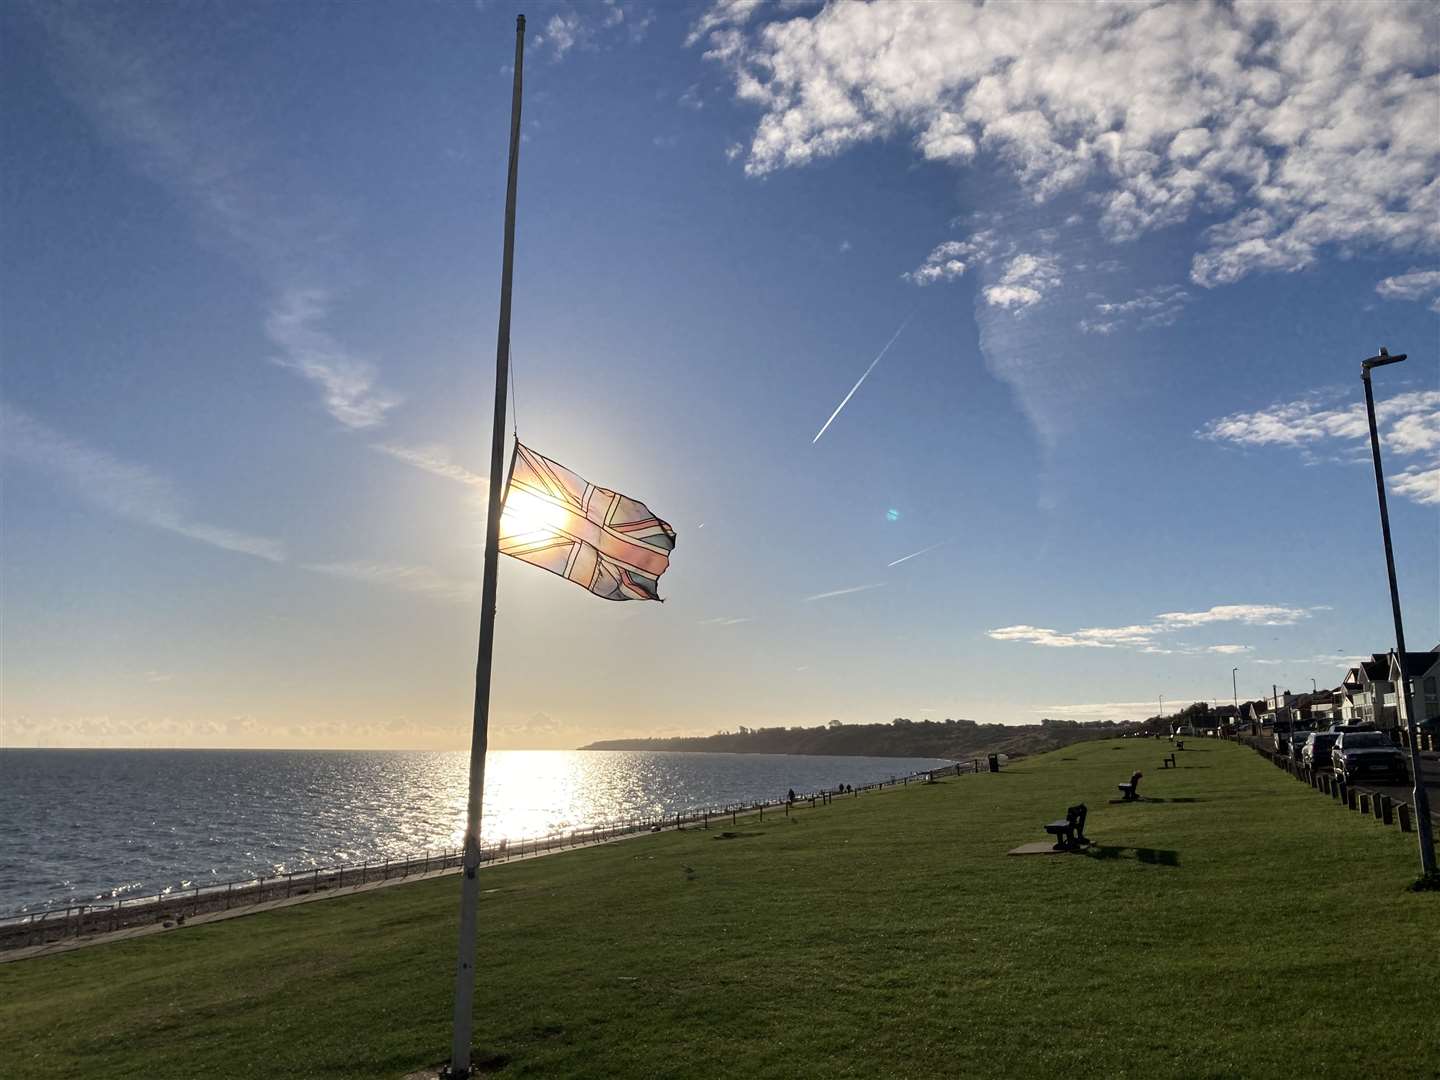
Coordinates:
[529,515]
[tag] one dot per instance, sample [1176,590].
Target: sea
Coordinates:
[80,826]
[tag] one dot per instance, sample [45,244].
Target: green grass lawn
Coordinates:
[1245,927]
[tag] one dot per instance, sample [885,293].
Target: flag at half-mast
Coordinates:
[601,540]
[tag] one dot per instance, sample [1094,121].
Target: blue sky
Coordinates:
[250,280]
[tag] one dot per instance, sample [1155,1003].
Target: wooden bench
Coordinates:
[1069,832]
[1131,792]
[1168,762]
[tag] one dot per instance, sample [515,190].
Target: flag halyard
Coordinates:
[605,542]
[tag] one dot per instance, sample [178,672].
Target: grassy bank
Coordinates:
[1258,929]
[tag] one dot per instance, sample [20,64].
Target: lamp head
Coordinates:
[1381,360]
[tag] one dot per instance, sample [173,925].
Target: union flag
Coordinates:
[601,540]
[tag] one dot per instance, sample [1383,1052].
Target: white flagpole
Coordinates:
[479,735]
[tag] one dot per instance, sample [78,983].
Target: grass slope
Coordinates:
[1256,930]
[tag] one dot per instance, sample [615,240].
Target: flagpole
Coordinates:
[479,734]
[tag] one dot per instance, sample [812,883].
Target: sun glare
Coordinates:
[526,514]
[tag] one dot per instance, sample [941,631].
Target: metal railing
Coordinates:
[177,905]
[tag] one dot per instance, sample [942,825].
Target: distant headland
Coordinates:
[901,737]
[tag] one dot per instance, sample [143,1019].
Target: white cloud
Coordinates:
[1301,126]
[562,32]
[1414,433]
[129,491]
[349,385]
[1408,424]
[417,579]
[1157,306]
[1249,614]
[1421,485]
[1024,282]
[721,620]
[722,15]
[952,259]
[1142,636]
[1043,635]
[591,26]
[433,459]
[1414,285]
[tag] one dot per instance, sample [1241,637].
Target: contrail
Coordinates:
[843,592]
[862,378]
[917,554]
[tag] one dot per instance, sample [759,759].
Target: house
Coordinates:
[1224,715]
[1423,670]
[1325,709]
[1348,691]
[1375,700]
[1255,713]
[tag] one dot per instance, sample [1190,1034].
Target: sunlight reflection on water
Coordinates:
[86,824]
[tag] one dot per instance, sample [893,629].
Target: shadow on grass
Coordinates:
[1187,799]
[1150,856]
[727,835]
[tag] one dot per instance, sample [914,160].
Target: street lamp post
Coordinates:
[1235,693]
[1421,796]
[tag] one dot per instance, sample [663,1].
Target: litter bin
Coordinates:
[994,762]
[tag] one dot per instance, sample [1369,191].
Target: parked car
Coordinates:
[1183,731]
[1367,755]
[1337,728]
[1282,738]
[1316,751]
[1297,744]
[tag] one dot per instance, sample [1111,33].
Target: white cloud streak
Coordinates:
[348,385]
[179,131]
[846,399]
[433,459]
[128,491]
[415,579]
